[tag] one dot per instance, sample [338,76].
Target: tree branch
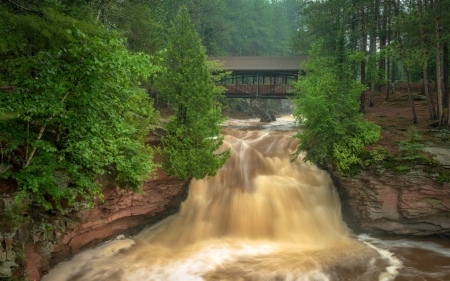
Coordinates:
[16,6]
[42,129]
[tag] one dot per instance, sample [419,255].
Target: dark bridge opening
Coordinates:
[260,77]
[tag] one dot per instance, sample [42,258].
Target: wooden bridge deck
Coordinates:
[280,91]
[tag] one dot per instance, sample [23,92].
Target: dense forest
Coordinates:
[231,27]
[74,77]
[400,40]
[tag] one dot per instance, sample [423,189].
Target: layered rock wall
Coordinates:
[380,202]
[44,240]
[122,212]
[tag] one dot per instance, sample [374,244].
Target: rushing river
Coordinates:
[262,217]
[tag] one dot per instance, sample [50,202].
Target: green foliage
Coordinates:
[431,162]
[443,177]
[25,34]
[402,168]
[139,23]
[79,113]
[376,156]
[12,218]
[379,154]
[193,133]
[410,150]
[259,27]
[216,74]
[326,101]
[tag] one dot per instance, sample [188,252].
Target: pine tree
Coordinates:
[326,102]
[193,132]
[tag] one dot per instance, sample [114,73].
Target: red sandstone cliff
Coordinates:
[385,203]
[122,212]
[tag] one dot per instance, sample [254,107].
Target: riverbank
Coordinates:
[39,239]
[381,199]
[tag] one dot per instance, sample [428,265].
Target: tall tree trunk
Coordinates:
[101,6]
[373,53]
[388,61]
[405,68]
[354,41]
[438,65]
[445,71]
[362,105]
[382,36]
[430,102]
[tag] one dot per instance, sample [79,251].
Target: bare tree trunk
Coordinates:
[430,102]
[362,105]
[382,35]
[445,71]
[101,6]
[438,65]
[405,68]
[388,61]
[373,53]
[42,129]
[354,40]
[431,108]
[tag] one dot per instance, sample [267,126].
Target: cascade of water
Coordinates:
[262,217]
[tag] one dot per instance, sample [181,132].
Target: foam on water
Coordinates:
[394,263]
[262,217]
[192,268]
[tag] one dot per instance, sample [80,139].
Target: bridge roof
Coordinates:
[261,63]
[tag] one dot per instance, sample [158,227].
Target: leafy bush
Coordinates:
[326,101]
[11,217]
[377,155]
[443,177]
[78,113]
[431,162]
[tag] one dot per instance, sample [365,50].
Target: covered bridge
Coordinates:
[260,77]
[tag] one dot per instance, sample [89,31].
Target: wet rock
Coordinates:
[387,203]
[255,108]
[120,237]
[268,117]
[439,152]
[7,255]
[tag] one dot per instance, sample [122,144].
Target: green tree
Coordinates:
[193,133]
[326,101]
[260,28]
[71,110]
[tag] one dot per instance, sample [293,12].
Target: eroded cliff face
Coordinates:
[35,247]
[380,202]
[122,212]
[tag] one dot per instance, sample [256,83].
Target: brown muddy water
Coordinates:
[262,217]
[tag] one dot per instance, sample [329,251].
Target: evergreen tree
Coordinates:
[193,132]
[326,101]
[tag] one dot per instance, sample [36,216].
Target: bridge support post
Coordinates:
[257,85]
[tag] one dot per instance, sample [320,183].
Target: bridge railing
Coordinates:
[260,90]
